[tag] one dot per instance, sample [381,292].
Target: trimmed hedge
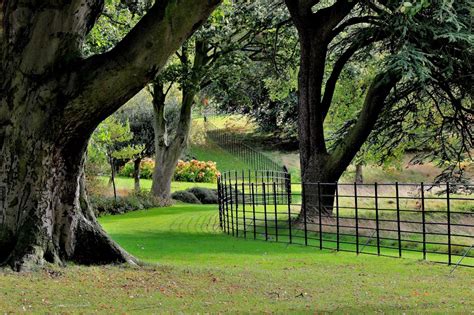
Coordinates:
[108,205]
[196,195]
[185,196]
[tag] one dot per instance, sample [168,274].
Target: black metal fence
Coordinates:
[230,142]
[434,222]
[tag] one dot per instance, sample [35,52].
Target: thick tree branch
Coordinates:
[374,102]
[107,81]
[353,21]
[339,67]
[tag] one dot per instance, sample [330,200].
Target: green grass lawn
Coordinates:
[192,268]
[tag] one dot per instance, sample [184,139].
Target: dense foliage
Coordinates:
[146,168]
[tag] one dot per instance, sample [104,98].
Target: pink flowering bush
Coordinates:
[192,171]
[196,171]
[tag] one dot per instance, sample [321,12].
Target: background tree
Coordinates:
[139,114]
[420,47]
[51,100]
[112,137]
[234,27]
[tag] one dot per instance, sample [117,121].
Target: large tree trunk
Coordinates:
[46,215]
[168,149]
[51,100]
[320,169]
[313,151]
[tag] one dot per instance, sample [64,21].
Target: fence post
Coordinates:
[243,209]
[356,218]
[337,216]
[236,206]
[397,196]
[320,217]
[253,211]
[231,206]
[304,215]
[377,229]
[289,216]
[423,218]
[227,205]
[265,210]
[219,200]
[276,210]
[256,183]
[448,209]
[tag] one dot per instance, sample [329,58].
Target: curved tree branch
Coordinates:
[339,67]
[374,102]
[107,81]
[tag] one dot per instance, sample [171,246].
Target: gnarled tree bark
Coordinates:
[51,100]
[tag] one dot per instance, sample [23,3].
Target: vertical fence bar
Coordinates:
[231,207]
[289,216]
[256,184]
[227,207]
[265,210]
[320,211]
[250,181]
[423,218]
[397,196]
[236,206]
[219,201]
[305,215]
[243,208]
[276,210]
[253,212]
[337,217]
[448,213]
[356,218]
[377,228]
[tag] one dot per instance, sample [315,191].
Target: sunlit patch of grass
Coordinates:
[203,270]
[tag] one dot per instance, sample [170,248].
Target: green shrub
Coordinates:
[108,205]
[185,196]
[146,169]
[204,195]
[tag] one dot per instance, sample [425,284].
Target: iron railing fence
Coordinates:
[229,141]
[434,222]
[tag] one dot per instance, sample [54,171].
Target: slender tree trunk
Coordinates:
[112,176]
[136,174]
[359,178]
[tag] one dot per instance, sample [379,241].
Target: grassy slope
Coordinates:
[243,127]
[202,270]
